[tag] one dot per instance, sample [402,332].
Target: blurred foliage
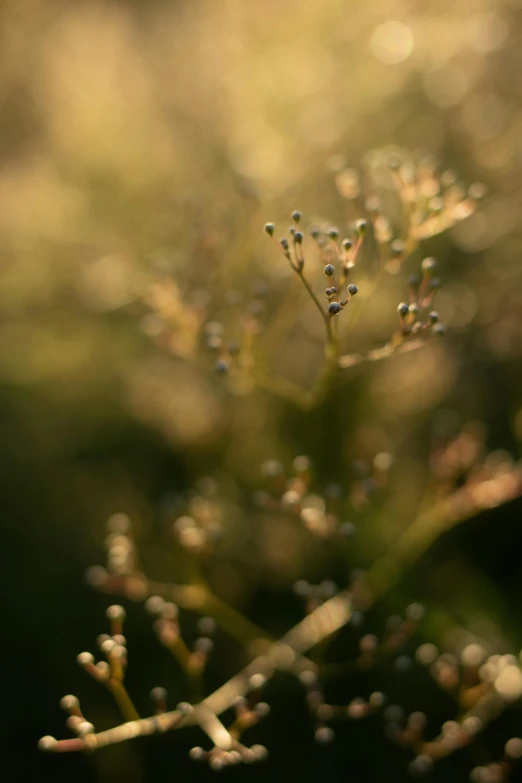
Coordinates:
[144,141]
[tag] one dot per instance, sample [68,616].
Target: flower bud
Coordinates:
[334,308]
[329,270]
[270,228]
[352,289]
[296,216]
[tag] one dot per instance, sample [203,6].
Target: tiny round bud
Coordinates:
[259,751]
[84,728]
[270,228]
[428,265]
[403,309]
[158,694]
[347,529]
[347,244]
[85,659]
[361,226]
[197,754]
[415,612]
[315,232]
[296,216]
[185,708]
[397,247]
[207,626]
[298,237]
[439,329]
[284,243]
[513,748]
[377,699]
[333,233]
[324,735]
[204,645]
[292,230]
[433,317]
[154,604]
[477,191]
[69,702]
[413,309]
[271,468]
[221,367]
[47,743]
[115,612]
[352,289]
[329,270]
[334,308]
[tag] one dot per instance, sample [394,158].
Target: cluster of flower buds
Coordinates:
[218,758]
[469,479]
[324,714]
[337,257]
[416,316]
[122,574]
[321,514]
[175,322]
[430,202]
[114,648]
[249,711]
[500,771]
[193,658]
[198,529]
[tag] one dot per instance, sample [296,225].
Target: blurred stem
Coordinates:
[123,700]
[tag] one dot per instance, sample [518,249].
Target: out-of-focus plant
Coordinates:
[399,202]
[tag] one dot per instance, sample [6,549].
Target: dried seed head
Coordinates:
[334,308]
[329,270]
[352,289]
[284,243]
[270,228]
[296,216]
[298,237]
